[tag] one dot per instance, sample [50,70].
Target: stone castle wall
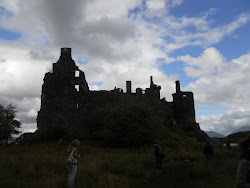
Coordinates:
[67,102]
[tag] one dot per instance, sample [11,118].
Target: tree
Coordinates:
[8,123]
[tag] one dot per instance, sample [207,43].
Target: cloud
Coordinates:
[228,87]
[10,5]
[21,75]
[227,122]
[96,28]
[88,26]
[155,4]
[122,40]
[198,31]
[174,3]
[210,62]
[21,80]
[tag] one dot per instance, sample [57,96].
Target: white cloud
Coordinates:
[198,31]
[10,5]
[174,3]
[227,122]
[21,79]
[20,74]
[228,87]
[120,45]
[155,4]
[97,9]
[210,61]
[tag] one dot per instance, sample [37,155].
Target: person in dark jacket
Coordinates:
[243,170]
[158,155]
[228,145]
[72,162]
[208,151]
[60,142]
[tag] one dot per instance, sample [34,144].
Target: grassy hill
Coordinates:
[43,165]
[237,137]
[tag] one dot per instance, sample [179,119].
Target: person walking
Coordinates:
[208,151]
[72,160]
[158,156]
[60,142]
[228,145]
[243,170]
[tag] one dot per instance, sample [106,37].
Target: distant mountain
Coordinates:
[213,134]
[242,129]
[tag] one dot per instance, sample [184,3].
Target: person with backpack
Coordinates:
[158,156]
[228,145]
[208,151]
[60,142]
[72,160]
[243,170]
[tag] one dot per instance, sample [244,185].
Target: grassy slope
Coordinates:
[44,166]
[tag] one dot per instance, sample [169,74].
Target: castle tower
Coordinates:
[183,106]
[154,90]
[128,86]
[61,91]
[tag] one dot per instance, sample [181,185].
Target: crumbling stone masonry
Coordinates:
[67,102]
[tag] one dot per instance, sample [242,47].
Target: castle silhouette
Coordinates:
[67,102]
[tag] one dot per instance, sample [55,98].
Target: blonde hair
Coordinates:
[75,143]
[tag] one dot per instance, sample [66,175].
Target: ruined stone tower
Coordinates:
[67,102]
[184,106]
[60,93]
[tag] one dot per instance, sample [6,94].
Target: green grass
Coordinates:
[43,165]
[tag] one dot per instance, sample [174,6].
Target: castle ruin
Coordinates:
[67,102]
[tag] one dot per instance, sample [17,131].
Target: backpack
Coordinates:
[163,155]
[71,159]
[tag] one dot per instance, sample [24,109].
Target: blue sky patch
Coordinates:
[193,51]
[46,40]
[229,46]
[210,110]
[82,60]
[176,68]
[9,35]
[96,83]
[231,8]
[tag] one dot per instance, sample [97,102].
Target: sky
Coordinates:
[204,44]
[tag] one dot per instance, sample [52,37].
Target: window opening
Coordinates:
[77,87]
[77,74]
